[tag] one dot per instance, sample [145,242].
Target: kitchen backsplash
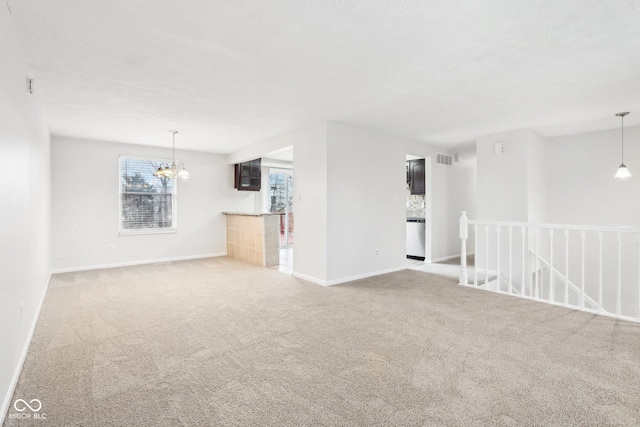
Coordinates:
[415,205]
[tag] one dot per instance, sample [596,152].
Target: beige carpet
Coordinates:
[471,260]
[221,342]
[451,269]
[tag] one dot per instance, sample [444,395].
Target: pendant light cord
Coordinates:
[621,115]
[622,134]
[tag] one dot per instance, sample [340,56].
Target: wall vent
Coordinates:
[444,159]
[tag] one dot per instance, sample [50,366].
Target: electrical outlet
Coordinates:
[58,256]
[377,252]
[110,248]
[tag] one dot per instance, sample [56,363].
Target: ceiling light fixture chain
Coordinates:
[173,132]
[176,169]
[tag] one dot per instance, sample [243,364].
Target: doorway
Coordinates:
[281,204]
[418,204]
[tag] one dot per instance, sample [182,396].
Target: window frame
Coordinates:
[174,202]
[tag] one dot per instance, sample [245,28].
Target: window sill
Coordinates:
[147,231]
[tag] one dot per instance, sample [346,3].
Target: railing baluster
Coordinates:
[600,272]
[498,247]
[522,287]
[537,263]
[486,256]
[618,288]
[566,272]
[552,293]
[510,259]
[533,275]
[475,255]
[464,235]
[582,237]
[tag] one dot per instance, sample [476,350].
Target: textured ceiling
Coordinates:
[229,73]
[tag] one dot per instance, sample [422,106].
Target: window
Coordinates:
[147,202]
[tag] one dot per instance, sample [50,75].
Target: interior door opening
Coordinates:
[418,210]
[281,203]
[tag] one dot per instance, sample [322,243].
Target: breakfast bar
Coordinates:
[253,237]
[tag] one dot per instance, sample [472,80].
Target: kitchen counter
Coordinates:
[248,214]
[253,237]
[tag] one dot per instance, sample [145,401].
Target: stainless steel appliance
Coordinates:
[416,238]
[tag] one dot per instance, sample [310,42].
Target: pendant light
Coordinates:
[176,169]
[622,172]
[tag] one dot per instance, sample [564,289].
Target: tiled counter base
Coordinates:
[253,238]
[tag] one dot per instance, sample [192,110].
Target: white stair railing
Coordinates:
[607,266]
[583,297]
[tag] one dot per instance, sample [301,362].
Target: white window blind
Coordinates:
[147,202]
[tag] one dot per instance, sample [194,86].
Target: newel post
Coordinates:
[464,234]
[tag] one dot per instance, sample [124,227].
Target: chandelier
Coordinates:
[175,169]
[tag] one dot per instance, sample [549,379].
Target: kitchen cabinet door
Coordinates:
[248,176]
[417,176]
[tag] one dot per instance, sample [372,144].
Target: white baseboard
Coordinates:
[4,409]
[126,264]
[447,258]
[364,276]
[345,279]
[309,279]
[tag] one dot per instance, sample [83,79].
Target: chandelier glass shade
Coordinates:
[175,169]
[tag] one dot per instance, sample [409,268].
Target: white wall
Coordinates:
[349,186]
[512,186]
[264,147]
[566,180]
[461,195]
[310,202]
[85,206]
[310,194]
[538,178]
[365,202]
[24,253]
[502,180]
[583,190]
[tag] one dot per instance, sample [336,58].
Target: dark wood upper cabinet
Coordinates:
[248,176]
[416,176]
